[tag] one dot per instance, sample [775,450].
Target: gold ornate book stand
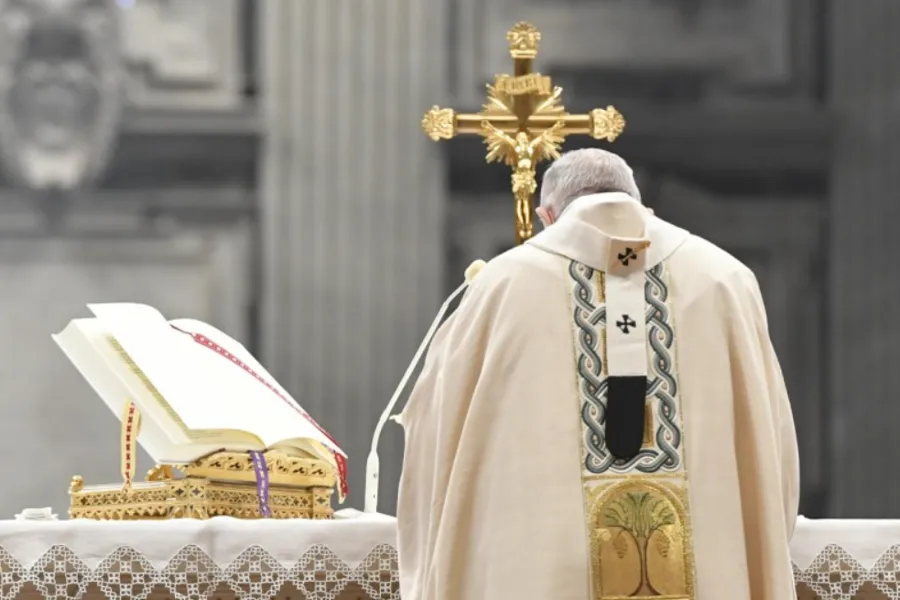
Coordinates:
[221,484]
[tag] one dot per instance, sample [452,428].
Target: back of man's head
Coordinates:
[583,172]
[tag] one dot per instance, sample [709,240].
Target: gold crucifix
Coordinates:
[523,122]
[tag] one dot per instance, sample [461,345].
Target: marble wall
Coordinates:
[352,208]
[864,246]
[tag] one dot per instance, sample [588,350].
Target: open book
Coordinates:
[198,390]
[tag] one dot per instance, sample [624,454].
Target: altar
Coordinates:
[352,557]
[348,558]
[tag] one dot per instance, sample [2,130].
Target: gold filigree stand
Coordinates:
[223,483]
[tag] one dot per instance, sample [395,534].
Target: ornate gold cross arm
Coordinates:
[523,122]
[601,123]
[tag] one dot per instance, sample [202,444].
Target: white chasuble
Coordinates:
[603,418]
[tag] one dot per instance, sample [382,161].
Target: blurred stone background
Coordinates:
[259,164]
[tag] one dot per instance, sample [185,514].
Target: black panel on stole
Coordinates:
[625,415]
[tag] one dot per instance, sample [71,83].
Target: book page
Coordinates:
[164,412]
[83,342]
[257,373]
[206,389]
[98,357]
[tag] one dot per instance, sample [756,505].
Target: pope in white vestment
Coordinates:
[603,417]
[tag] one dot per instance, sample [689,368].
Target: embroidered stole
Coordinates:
[636,507]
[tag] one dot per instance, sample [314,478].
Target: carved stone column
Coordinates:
[865,246]
[352,208]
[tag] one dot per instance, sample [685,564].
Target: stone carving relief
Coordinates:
[60,77]
[183,55]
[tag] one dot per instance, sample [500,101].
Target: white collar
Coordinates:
[603,230]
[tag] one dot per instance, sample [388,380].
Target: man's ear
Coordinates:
[545,216]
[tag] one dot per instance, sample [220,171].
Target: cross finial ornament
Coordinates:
[523,122]
[523,40]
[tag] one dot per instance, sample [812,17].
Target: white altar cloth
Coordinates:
[866,540]
[349,557]
[223,539]
[847,559]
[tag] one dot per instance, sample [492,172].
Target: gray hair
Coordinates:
[583,172]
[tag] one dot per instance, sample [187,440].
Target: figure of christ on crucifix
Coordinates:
[523,153]
[523,122]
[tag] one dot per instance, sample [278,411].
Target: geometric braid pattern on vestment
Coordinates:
[636,511]
[590,314]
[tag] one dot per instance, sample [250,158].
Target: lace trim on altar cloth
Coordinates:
[320,575]
[835,575]
[192,575]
